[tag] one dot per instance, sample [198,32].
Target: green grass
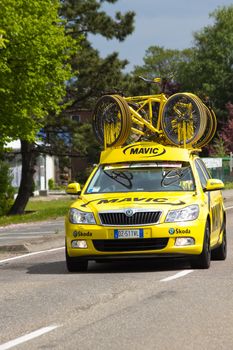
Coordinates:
[228,185]
[39,210]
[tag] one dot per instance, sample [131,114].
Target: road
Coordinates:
[21,233]
[144,305]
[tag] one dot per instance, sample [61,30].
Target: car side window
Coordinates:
[203,167]
[201,174]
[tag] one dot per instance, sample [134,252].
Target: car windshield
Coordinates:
[145,177]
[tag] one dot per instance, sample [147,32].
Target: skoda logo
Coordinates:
[129,212]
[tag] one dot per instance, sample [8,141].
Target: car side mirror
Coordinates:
[214,185]
[73,188]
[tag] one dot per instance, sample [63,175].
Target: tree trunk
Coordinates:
[27,182]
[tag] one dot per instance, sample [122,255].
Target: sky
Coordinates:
[166,23]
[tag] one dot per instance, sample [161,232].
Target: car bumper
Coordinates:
[101,243]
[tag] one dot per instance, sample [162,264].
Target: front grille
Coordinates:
[126,245]
[138,218]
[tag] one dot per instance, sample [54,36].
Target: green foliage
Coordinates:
[33,65]
[82,176]
[86,16]
[40,63]
[6,189]
[85,143]
[95,74]
[51,184]
[163,63]
[158,62]
[3,41]
[218,148]
[206,69]
[210,69]
[227,129]
[228,185]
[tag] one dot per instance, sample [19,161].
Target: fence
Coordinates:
[220,168]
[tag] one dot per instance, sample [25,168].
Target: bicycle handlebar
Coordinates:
[151,81]
[167,86]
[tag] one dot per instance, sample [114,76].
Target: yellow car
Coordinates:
[147,200]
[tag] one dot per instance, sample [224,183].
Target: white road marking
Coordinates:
[27,337]
[177,275]
[30,254]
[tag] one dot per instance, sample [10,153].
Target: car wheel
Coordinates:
[220,253]
[74,264]
[202,261]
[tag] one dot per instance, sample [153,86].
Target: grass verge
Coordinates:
[228,185]
[39,210]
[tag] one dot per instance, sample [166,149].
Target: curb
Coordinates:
[33,245]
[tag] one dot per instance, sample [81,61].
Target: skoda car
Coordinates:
[146,200]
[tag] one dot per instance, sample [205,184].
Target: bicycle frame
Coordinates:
[147,100]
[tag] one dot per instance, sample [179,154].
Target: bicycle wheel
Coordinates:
[127,127]
[183,119]
[111,120]
[210,129]
[202,106]
[211,124]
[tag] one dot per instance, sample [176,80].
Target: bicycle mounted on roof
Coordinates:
[169,118]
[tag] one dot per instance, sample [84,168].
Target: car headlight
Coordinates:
[80,217]
[185,214]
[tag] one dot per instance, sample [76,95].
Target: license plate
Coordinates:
[128,233]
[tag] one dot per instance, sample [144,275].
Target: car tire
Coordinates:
[202,261]
[220,253]
[74,264]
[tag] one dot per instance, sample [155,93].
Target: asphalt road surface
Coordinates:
[16,234]
[160,304]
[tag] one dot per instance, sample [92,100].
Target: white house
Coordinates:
[45,168]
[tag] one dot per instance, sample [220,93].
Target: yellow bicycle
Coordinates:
[181,119]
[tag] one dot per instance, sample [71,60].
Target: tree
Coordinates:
[218,148]
[88,148]
[95,74]
[82,17]
[3,40]
[209,72]
[226,134]
[92,75]
[86,16]
[158,62]
[6,189]
[34,77]
[205,69]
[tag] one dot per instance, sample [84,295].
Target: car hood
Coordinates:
[119,201]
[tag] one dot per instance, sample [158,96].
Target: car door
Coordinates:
[215,203]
